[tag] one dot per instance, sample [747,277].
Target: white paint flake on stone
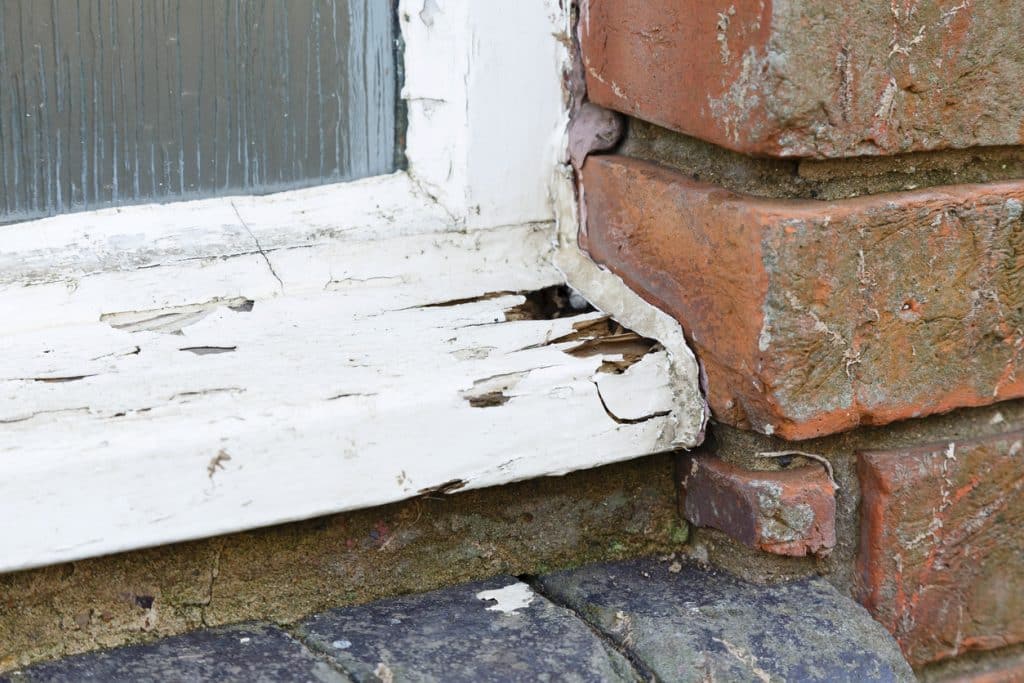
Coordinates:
[509,599]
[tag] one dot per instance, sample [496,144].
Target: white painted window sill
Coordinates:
[179,371]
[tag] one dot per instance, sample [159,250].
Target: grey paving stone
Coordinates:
[248,653]
[458,634]
[701,625]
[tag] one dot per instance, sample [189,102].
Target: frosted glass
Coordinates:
[109,102]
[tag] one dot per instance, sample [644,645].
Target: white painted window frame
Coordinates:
[380,311]
[486,116]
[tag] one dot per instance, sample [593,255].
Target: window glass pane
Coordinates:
[107,102]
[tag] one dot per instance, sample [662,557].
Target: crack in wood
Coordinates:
[55,380]
[349,395]
[208,350]
[490,392]
[445,488]
[604,336]
[547,303]
[30,416]
[627,420]
[259,247]
[207,392]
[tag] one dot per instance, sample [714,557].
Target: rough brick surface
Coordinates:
[812,78]
[813,317]
[1008,670]
[941,559]
[786,512]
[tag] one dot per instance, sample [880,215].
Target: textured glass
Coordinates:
[107,102]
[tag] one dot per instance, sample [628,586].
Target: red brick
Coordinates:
[786,512]
[941,557]
[812,317]
[1010,670]
[812,78]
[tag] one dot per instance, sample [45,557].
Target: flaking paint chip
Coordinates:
[509,599]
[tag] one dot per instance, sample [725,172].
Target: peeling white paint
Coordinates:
[628,396]
[509,599]
[144,400]
[688,411]
[323,399]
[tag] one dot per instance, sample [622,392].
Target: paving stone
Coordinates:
[495,630]
[699,625]
[246,653]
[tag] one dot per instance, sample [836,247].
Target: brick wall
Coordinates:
[829,197]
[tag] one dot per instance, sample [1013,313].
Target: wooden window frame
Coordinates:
[396,290]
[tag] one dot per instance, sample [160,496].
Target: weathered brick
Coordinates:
[786,512]
[812,78]
[941,557]
[813,317]
[1008,670]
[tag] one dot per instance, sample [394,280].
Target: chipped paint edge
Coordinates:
[607,291]
[508,600]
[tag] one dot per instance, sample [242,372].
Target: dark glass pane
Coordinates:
[107,102]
